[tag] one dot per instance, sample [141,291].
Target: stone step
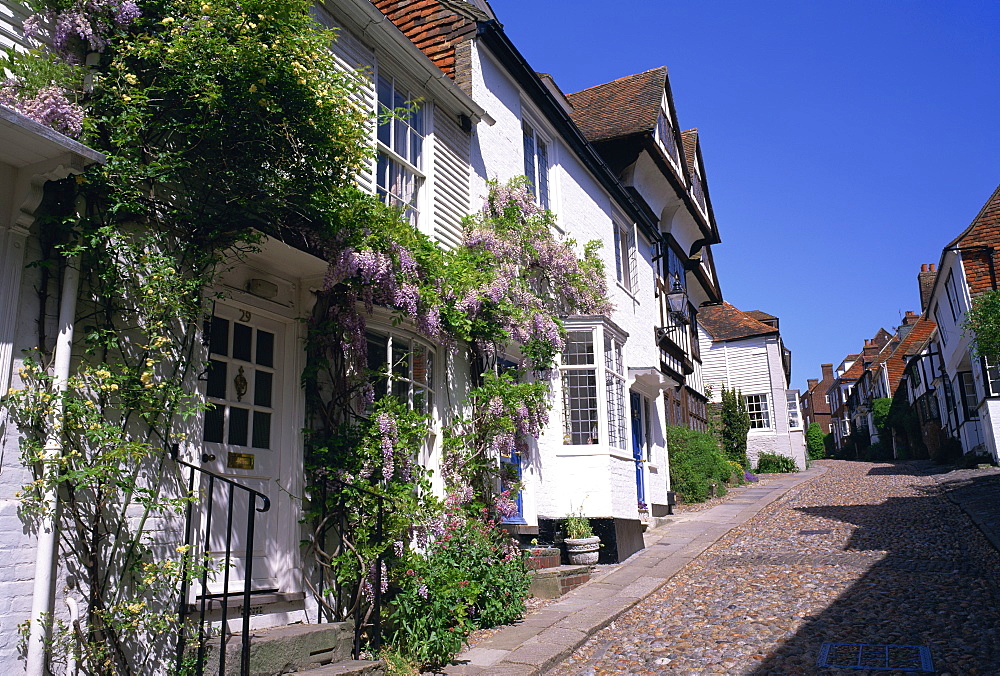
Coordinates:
[287,648]
[543,557]
[348,668]
[551,583]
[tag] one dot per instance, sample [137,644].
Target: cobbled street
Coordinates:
[866,553]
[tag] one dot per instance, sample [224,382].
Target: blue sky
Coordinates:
[845,143]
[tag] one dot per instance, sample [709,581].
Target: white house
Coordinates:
[967,386]
[743,353]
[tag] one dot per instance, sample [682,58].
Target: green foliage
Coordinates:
[982,321]
[471,577]
[738,472]
[735,423]
[772,463]
[814,441]
[577,526]
[695,463]
[880,413]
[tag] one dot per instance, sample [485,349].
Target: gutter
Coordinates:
[492,35]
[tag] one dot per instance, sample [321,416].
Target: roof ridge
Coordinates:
[617,79]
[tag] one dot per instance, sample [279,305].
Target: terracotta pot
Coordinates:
[583,551]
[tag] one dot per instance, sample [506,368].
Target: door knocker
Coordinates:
[240,382]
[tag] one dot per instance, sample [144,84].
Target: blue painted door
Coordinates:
[638,446]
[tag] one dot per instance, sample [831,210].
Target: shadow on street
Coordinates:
[927,577]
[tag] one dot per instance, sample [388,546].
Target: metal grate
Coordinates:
[876,657]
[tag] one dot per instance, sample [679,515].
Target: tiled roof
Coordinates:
[762,316]
[855,372]
[434,26]
[896,363]
[689,137]
[622,107]
[984,231]
[724,322]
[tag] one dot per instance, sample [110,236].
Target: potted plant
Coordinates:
[581,544]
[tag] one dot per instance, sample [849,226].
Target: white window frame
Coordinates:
[626,256]
[794,414]
[585,403]
[951,291]
[399,177]
[402,373]
[619,432]
[534,166]
[759,408]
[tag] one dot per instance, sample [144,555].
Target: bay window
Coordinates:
[592,414]
[403,368]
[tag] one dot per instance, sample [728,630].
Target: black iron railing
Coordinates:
[198,533]
[346,513]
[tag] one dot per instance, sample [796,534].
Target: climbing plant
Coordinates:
[223,123]
[734,426]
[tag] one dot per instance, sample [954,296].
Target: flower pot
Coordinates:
[582,551]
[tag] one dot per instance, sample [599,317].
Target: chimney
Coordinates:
[909,319]
[827,371]
[925,280]
[811,383]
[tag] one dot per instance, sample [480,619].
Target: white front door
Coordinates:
[241,441]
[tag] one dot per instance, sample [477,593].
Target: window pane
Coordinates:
[265,348]
[618,253]
[529,158]
[262,388]
[377,348]
[400,359]
[216,379]
[543,174]
[261,429]
[385,101]
[579,348]
[214,423]
[242,335]
[239,420]
[219,339]
[615,390]
[580,406]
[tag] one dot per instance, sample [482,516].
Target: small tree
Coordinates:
[983,320]
[735,424]
[814,441]
[880,414]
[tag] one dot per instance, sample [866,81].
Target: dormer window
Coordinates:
[665,134]
[536,165]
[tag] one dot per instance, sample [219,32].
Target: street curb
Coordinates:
[553,644]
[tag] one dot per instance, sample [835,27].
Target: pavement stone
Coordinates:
[871,553]
[551,635]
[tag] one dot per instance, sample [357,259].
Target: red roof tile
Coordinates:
[622,107]
[984,231]
[724,322]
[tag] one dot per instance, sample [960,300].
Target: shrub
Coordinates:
[695,463]
[472,577]
[814,441]
[735,422]
[771,463]
[738,472]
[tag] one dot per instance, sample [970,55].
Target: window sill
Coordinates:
[630,294]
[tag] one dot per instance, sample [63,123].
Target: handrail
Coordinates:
[338,522]
[205,598]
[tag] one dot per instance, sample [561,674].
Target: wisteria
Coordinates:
[49,106]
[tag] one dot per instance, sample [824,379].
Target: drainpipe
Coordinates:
[42,601]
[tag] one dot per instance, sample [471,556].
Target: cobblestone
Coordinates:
[867,553]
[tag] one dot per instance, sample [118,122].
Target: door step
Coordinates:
[551,583]
[288,648]
[348,668]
